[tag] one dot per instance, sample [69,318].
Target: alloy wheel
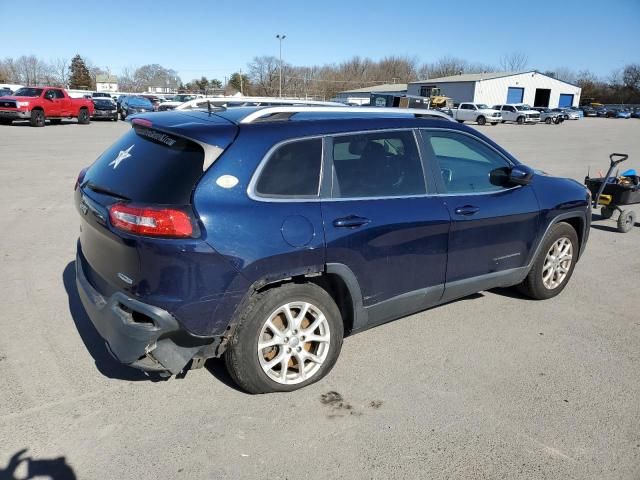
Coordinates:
[557,263]
[294,343]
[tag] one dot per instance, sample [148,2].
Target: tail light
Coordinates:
[156,222]
[80,178]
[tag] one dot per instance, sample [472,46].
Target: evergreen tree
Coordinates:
[79,76]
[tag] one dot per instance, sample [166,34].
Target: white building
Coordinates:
[361,96]
[106,83]
[531,87]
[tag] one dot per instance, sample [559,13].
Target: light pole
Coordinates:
[281,38]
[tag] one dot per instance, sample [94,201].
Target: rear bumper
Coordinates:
[15,114]
[140,335]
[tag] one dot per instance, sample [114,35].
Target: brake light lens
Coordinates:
[80,178]
[156,222]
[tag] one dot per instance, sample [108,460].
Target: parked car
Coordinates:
[134,104]
[567,114]
[38,104]
[576,110]
[178,100]
[105,108]
[548,116]
[519,113]
[602,112]
[635,113]
[623,113]
[100,95]
[589,111]
[5,91]
[155,101]
[476,112]
[238,241]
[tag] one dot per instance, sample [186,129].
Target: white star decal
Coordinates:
[123,155]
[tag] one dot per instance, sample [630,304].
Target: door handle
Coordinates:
[467,210]
[352,221]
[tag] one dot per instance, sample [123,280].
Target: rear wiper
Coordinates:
[106,191]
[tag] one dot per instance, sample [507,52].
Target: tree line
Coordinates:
[262,76]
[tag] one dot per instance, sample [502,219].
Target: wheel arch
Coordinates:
[336,279]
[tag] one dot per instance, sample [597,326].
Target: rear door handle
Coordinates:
[352,221]
[467,210]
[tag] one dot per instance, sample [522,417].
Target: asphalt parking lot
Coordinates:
[491,386]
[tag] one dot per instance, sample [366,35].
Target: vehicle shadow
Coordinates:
[26,123]
[216,367]
[105,363]
[49,468]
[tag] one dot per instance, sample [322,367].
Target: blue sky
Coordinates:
[216,38]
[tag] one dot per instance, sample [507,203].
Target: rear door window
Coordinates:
[292,170]
[148,166]
[381,164]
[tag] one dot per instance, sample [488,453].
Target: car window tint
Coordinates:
[292,170]
[382,164]
[57,94]
[467,165]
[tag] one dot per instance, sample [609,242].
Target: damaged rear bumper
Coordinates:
[141,335]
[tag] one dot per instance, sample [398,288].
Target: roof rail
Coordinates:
[284,113]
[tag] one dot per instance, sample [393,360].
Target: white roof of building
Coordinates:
[386,87]
[477,77]
[470,77]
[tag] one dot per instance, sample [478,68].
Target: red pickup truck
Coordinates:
[37,104]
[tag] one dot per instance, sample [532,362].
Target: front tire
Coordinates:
[548,120]
[554,264]
[493,124]
[83,117]
[37,118]
[520,120]
[481,121]
[287,338]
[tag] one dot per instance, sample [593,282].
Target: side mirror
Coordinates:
[520,175]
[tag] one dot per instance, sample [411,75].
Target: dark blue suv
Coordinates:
[266,234]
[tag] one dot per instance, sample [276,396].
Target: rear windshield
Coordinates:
[28,92]
[148,166]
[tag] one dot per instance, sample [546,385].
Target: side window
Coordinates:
[58,94]
[467,165]
[293,170]
[382,164]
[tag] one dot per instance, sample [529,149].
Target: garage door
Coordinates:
[515,95]
[566,100]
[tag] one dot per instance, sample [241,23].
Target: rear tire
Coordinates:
[548,120]
[83,117]
[520,120]
[553,266]
[481,120]
[607,212]
[626,220]
[37,118]
[122,116]
[253,368]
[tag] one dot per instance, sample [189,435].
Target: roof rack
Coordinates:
[284,113]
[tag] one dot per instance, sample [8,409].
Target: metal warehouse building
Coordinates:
[531,87]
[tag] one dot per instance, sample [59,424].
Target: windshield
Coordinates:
[183,98]
[482,106]
[103,103]
[28,92]
[140,102]
[523,107]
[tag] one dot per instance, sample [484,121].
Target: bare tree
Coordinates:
[264,74]
[60,66]
[514,61]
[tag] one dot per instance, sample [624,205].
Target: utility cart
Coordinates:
[612,193]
